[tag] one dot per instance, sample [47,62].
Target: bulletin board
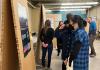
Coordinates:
[23,35]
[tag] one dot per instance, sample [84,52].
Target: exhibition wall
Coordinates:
[34,14]
[17,48]
[23,34]
[30,16]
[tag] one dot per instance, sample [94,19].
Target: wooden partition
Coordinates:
[14,56]
[0,33]
[25,52]
[8,41]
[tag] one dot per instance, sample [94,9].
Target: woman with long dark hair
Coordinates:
[46,36]
[80,50]
[59,40]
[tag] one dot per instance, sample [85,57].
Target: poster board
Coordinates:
[24,29]
[25,51]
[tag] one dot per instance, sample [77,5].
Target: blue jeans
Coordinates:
[44,51]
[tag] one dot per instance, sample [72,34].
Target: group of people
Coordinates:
[72,39]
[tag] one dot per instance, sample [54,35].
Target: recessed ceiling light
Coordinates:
[71,7]
[67,10]
[69,4]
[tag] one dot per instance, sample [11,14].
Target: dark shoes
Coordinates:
[58,54]
[92,55]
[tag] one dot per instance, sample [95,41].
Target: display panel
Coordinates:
[24,28]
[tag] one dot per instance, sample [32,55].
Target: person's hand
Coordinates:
[62,26]
[44,45]
[65,62]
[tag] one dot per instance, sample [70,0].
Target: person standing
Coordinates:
[80,50]
[67,40]
[92,35]
[46,36]
[59,40]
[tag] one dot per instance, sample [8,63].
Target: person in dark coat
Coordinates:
[59,40]
[66,36]
[80,50]
[46,37]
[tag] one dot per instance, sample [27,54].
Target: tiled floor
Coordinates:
[93,64]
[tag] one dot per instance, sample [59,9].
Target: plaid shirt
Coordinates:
[82,60]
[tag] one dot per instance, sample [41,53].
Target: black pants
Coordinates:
[59,48]
[63,66]
[44,51]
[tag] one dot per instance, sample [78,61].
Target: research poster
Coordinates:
[23,18]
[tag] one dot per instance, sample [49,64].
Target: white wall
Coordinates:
[34,15]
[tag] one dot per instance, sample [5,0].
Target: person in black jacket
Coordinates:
[46,36]
[59,40]
[66,36]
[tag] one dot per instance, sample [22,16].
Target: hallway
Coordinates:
[21,23]
[93,64]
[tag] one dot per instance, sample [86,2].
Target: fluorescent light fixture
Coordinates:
[71,7]
[67,10]
[71,4]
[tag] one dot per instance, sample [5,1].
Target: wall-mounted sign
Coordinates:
[24,28]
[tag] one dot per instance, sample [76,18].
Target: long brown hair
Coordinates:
[47,25]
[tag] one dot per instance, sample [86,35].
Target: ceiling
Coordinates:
[60,1]
[38,2]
